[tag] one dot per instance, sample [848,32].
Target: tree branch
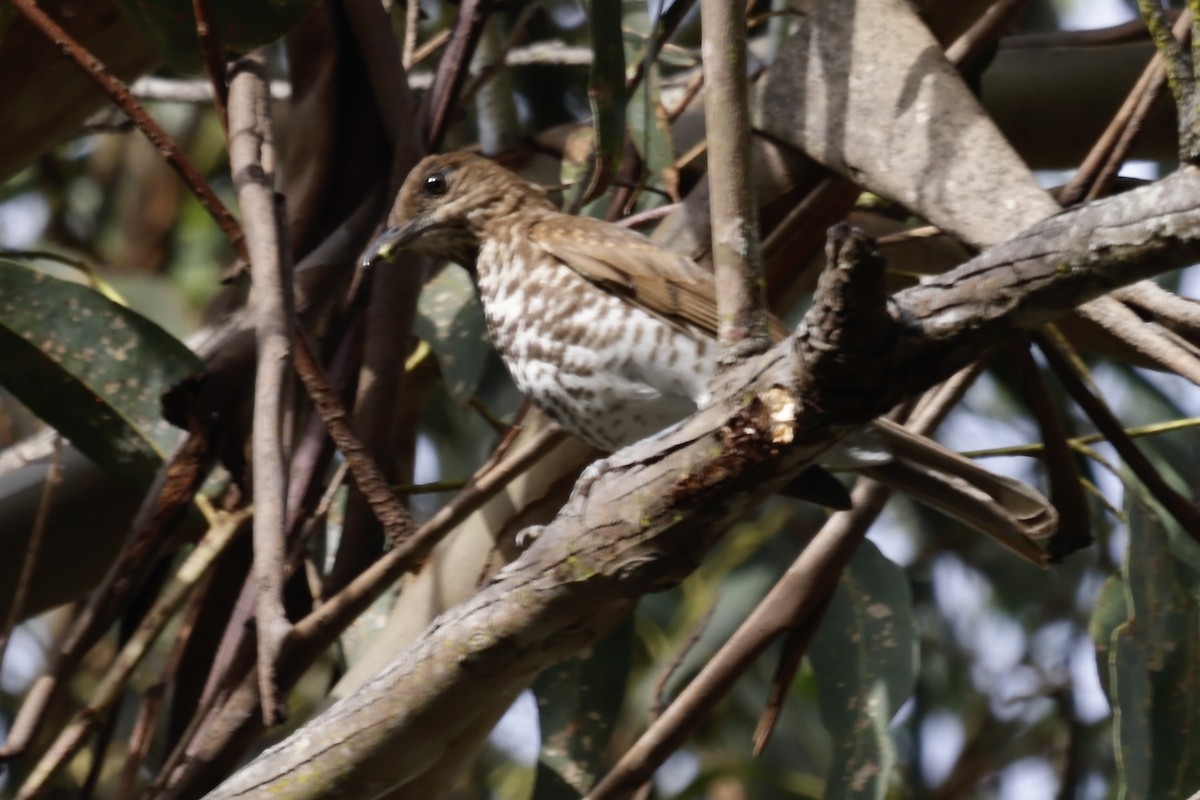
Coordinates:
[252,162]
[645,517]
[737,256]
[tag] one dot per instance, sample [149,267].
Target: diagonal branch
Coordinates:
[120,94]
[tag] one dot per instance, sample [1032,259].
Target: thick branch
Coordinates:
[646,517]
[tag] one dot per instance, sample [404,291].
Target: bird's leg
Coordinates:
[592,473]
[583,487]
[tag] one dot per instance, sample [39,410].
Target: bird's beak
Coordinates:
[391,241]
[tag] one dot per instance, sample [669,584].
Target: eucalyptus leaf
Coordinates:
[650,132]
[450,319]
[578,703]
[91,368]
[1151,659]
[864,660]
[606,94]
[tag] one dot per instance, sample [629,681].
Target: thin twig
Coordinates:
[649,215]
[214,61]
[693,87]
[1176,504]
[1144,339]
[497,58]
[345,604]
[369,479]
[252,161]
[798,592]
[666,23]
[1036,449]
[984,31]
[926,417]
[452,71]
[173,489]
[1095,174]
[300,546]
[659,693]
[312,635]
[412,20]
[119,93]
[795,644]
[141,738]
[84,722]
[33,546]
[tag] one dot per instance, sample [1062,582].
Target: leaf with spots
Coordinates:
[450,320]
[864,660]
[1146,625]
[89,367]
[578,703]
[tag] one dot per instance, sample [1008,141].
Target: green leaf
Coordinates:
[649,130]
[1152,662]
[89,367]
[450,319]
[606,94]
[864,660]
[578,703]
[652,138]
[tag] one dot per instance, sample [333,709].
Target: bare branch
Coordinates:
[737,256]
[452,72]
[252,161]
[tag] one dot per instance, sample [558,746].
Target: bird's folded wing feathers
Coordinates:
[664,283]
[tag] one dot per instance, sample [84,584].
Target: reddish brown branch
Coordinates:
[214,61]
[119,93]
[369,479]
[442,99]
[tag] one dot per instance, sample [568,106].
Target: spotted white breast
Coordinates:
[604,369]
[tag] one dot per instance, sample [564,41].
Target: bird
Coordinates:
[614,336]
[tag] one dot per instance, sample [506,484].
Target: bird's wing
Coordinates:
[625,262]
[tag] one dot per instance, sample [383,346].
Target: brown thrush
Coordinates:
[613,336]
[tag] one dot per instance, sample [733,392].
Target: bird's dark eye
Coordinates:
[436,184]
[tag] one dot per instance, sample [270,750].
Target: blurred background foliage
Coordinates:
[987,679]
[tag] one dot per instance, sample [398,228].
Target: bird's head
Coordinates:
[446,205]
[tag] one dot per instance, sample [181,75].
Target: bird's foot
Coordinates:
[528,536]
[591,473]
